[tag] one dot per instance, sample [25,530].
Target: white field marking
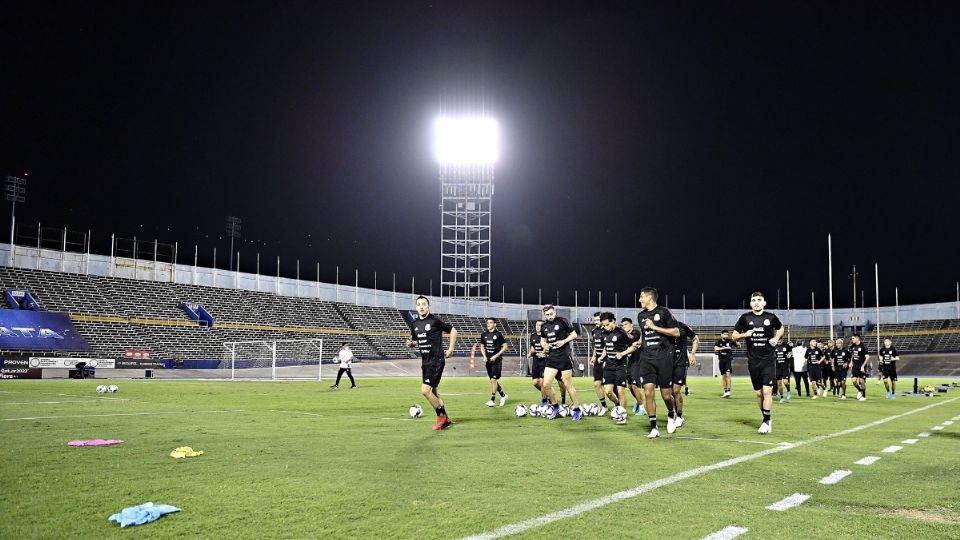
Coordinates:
[835,477]
[937,428]
[56,402]
[734,441]
[924,434]
[114,414]
[400,368]
[294,412]
[910,441]
[869,460]
[892,449]
[581,508]
[947,423]
[727,533]
[794,500]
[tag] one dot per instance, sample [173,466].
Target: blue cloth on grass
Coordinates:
[142,513]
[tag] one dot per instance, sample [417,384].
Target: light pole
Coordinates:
[233,231]
[16,193]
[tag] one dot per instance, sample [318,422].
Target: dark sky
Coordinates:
[696,146]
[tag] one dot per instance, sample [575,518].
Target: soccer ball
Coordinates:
[101,389]
[416,411]
[112,388]
[521,411]
[564,411]
[534,409]
[618,413]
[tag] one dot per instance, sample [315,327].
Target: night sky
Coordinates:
[695,146]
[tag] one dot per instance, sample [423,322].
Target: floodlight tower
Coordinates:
[466,150]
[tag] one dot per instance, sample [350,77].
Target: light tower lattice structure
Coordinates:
[467,153]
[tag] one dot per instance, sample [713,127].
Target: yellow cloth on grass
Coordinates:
[185,451]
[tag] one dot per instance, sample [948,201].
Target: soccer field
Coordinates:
[298,460]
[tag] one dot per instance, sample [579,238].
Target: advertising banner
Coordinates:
[70,363]
[39,330]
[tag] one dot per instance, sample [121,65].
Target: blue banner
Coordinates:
[39,331]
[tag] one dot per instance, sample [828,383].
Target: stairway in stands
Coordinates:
[350,325]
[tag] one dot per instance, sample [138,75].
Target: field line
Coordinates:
[794,500]
[56,402]
[732,440]
[581,508]
[727,533]
[113,414]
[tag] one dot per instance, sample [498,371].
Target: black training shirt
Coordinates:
[428,333]
[764,326]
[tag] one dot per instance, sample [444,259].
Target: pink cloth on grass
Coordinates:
[95,442]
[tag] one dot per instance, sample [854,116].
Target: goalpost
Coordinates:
[274,359]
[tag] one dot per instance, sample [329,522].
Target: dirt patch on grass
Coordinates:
[940,515]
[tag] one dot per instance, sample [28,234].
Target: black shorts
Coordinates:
[889,371]
[494,368]
[432,373]
[598,371]
[679,374]
[858,372]
[615,375]
[656,370]
[840,374]
[726,365]
[783,371]
[560,363]
[762,373]
[813,371]
[536,368]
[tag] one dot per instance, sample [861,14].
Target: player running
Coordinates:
[655,366]
[617,347]
[490,341]
[858,359]
[427,335]
[814,357]
[680,362]
[724,349]
[555,336]
[537,357]
[596,364]
[635,336]
[764,330]
[841,365]
[784,358]
[888,367]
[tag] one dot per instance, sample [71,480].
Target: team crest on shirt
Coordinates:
[494,338]
[427,327]
[614,338]
[766,322]
[656,317]
[556,327]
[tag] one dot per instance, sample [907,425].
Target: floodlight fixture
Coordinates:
[466,140]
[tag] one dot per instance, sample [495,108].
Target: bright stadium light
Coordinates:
[466,140]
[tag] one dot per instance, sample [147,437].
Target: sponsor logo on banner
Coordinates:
[139,364]
[34,330]
[70,363]
[21,373]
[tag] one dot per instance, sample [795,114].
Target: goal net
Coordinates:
[274,359]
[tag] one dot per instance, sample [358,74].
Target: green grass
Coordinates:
[297,460]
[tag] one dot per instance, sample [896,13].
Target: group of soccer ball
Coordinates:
[618,414]
[107,389]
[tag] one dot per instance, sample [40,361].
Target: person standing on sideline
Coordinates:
[493,347]
[724,350]
[427,335]
[800,368]
[888,367]
[763,330]
[345,357]
[655,366]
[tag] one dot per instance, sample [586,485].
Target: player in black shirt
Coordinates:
[724,349]
[888,367]
[841,365]
[427,335]
[813,357]
[827,367]
[635,337]
[555,336]
[763,330]
[655,366]
[537,356]
[617,347]
[596,364]
[783,369]
[680,362]
[859,366]
[493,347]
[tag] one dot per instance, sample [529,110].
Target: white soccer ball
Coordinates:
[590,409]
[618,413]
[520,411]
[112,388]
[564,411]
[101,389]
[416,411]
[534,409]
